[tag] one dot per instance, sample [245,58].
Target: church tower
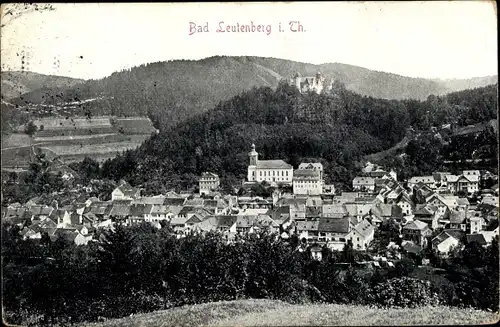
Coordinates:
[254,156]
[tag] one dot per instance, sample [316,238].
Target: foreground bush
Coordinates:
[141,269]
[404,293]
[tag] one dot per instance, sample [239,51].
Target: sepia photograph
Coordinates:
[249,164]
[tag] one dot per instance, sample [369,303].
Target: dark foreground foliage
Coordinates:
[142,269]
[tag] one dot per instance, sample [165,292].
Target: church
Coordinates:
[272,171]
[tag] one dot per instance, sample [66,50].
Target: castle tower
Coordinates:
[318,82]
[254,156]
[298,79]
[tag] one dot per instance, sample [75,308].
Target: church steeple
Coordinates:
[254,156]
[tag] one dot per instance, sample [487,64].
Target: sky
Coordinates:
[455,39]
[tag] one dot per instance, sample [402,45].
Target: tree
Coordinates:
[30,128]
[348,254]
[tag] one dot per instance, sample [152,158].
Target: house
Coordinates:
[82,229]
[89,219]
[484,238]
[75,218]
[447,201]
[47,223]
[104,224]
[120,210]
[429,214]
[475,225]
[467,183]
[154,200]
[280,213]
[458,220]
[137,213]
[69,235]
[421,193]
[255,203]
[490,200]
[157,213]
[31,232]
[363,183]
[100,209]
[428,181]
[307,181]
[188,211]
[447,240]
[384,211]
[125,192]
[382,174]
[61,217]
[411,248]
[307,230]
[40,211]
[362,235]
[252,212]
[178,223]
[174,201]
[216,206]
[405,203]
[272,171]
[336,232]
[417,232]
[313,213]
[193,220]
[208,182]
[346,197]
[334,211]
[252,224]
[223,224]
[440,179]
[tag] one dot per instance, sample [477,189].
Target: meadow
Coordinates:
[260,312]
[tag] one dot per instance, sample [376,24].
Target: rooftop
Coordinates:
[273,164]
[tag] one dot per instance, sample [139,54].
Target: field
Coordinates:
[15,140]
[73,138]
[277,313]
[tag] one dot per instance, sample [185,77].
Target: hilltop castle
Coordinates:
[316,83]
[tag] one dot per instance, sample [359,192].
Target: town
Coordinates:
[441,211]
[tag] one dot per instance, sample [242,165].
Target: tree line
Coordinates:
[141,269]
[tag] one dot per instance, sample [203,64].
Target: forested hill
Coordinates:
[336,128]
[169,92]
[17,83]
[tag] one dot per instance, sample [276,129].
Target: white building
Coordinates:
[272,171]
[308,179]
[426,180]
[468,182]
[363,183]
[208,182]
[125,192]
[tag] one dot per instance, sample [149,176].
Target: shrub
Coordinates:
[404,292]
